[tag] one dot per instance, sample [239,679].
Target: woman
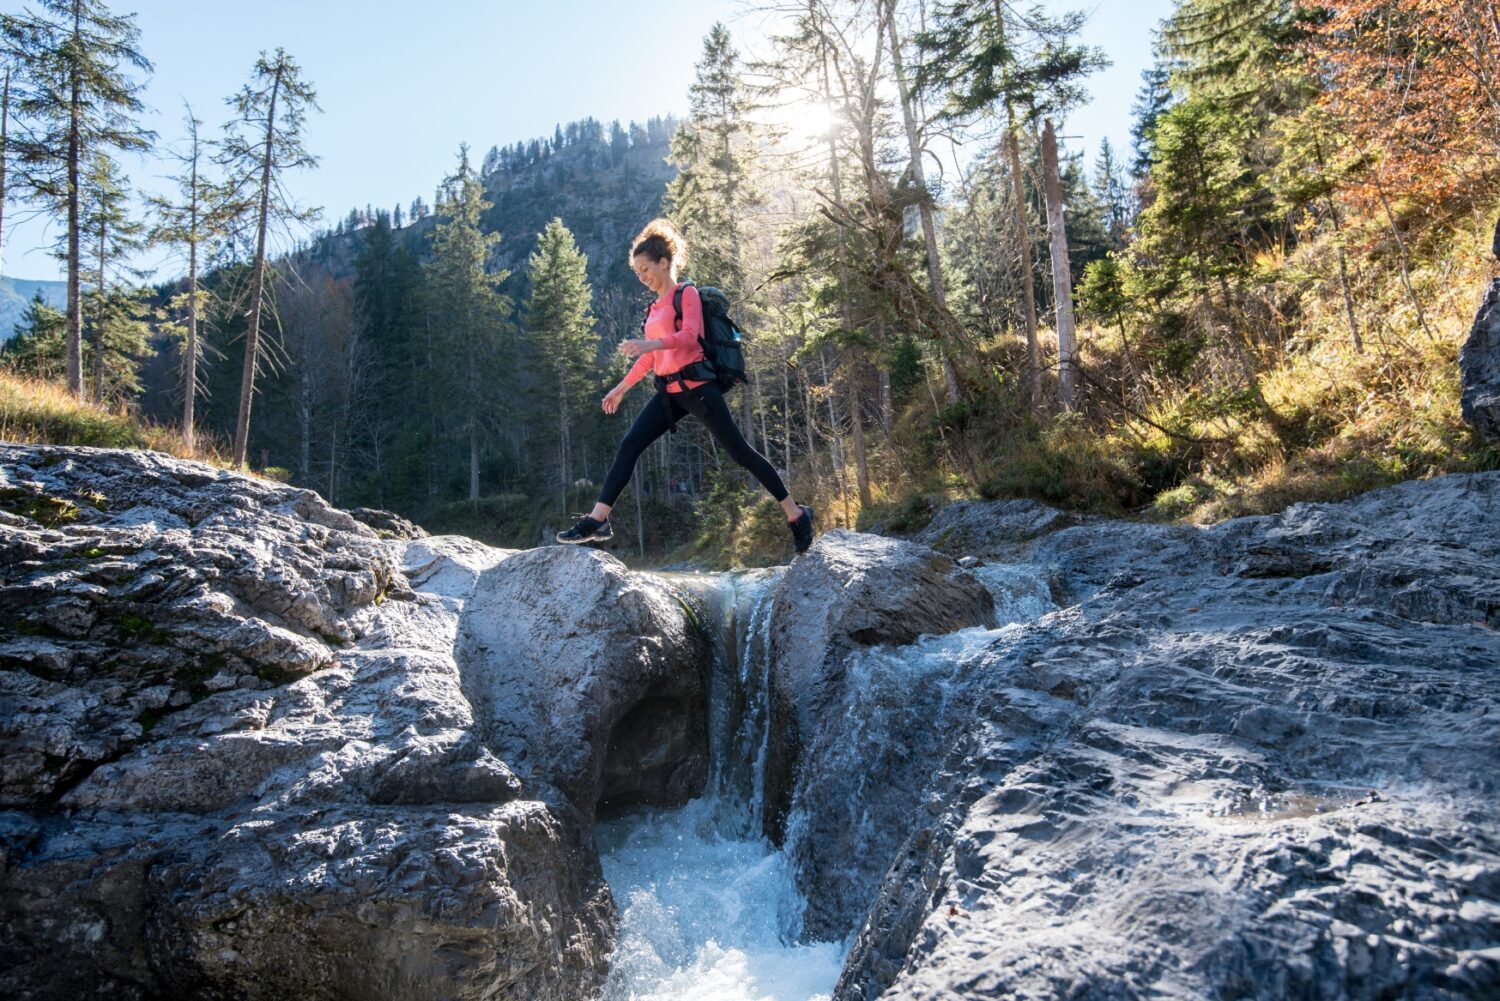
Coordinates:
[657,255]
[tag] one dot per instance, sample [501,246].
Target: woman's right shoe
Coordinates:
[587,530]
[802,529]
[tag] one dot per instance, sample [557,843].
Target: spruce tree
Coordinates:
[114,317]
[472,341]
[39,346]
[560,329]
[261,144]
[78,101]
[713,151]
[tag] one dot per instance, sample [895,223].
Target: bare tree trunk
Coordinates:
[473,458]
[929,230]
[75,274]
[786,420]
[1023,242]
[4,158]
[257,287]
[191,354]
[99,320]
[857,427]
[1405,262]
[1062,278]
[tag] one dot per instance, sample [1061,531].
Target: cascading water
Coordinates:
[708,908]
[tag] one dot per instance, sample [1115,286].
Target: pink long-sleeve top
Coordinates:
[679,347]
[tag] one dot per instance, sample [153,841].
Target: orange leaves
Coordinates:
[1416,84]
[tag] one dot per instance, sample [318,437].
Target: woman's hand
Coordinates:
[612,399]
[635,347]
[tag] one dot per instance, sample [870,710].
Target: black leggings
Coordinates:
[663,412]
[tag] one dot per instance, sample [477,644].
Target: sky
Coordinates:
[402,85]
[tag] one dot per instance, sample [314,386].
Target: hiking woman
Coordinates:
[671,353]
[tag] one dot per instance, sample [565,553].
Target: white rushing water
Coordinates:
[707,912]
[709,909]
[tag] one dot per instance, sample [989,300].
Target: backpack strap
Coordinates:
[677,305]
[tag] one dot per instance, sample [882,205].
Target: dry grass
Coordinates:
[38,411]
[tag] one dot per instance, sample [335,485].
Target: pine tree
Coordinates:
[388,292]
[111,237]
[987,58]
[78,102]
[39,346]
[472,349]
[1154,97]
[196,217]
[1111,188]
[713,151]
[261,145]
[560,330]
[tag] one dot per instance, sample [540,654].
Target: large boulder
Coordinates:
[589,677]
[847,596]
[1256,761]
[1479,366]
[237,757]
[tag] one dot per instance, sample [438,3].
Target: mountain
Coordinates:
[16,295]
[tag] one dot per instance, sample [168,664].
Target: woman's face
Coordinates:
[655,275]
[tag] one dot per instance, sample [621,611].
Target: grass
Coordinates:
[37,411]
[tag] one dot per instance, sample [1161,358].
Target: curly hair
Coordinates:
[659,240]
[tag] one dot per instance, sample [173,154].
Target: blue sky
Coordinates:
[401,85]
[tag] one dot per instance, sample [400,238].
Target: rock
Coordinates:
[849,594]
[237,759]
[1256,760]
[993,529]
[1479,367]
[387,524]
[591,676]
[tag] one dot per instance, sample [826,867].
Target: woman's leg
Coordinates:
[720,424]
[653,422]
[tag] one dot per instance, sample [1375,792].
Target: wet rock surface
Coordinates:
[238,755]
[1258,760]
[848,594]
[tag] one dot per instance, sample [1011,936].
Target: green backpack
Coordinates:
[722,341]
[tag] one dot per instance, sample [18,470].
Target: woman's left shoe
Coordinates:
[802,529]
[587,530]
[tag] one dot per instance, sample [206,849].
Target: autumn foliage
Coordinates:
[1416,86]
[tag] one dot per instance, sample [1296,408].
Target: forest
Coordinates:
[1260,302]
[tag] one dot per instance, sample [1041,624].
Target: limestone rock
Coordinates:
[1256,760]
[849,594]
[237,759]
[1479,366]
[592,677]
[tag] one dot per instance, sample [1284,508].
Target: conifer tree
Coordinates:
[78,101]
[714,191]
[260,146]
[472,341]
[986,58]
[194,217]
[560,330]
[111,236]
[39,346]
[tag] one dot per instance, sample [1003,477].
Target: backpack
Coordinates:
[723,344]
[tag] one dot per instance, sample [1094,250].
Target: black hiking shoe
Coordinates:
[802,533]
[587,530]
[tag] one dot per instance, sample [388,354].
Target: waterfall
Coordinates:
[708,908]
